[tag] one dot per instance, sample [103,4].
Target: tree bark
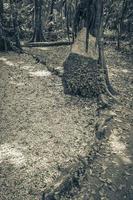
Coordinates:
[119,28]
[14,15]
[2,35]
[52,9]
[1,10]
[89,79]
[38,32]
[102,62]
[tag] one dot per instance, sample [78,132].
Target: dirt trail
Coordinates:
[42,131]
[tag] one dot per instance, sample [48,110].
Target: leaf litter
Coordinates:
[42,130]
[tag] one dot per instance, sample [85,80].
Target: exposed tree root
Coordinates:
[110,95]
[72,180]
[38,58]
[101,127]
[109,86]
[74,176]
[112,90]
[102,102]
[42,60]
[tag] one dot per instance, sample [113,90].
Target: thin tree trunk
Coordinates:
[38,32]
[51,10]
[1,10]
[118,37]
[102,62]
[50,21]
[124,6]
[14,15]
[3,42]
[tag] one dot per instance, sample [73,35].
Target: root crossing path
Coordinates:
[43,131]
[110,177]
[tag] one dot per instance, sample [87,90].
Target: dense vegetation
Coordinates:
[43,20]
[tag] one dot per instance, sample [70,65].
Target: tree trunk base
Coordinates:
[5,45]
[82,76]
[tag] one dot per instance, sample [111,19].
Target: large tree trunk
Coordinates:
[81,70]
[86,74]
[38,32]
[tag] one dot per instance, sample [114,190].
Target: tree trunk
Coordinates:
[102,61]
[86,73]
[1,10]
[124,6]
[118,37]
[51,10]
[38,32]
[14,15]
[2,35]
[51,23]
[81,70]
[2,45]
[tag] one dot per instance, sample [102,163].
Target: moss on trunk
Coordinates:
[82,74]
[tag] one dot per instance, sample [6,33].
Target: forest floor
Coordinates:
[43,131]
[110,177]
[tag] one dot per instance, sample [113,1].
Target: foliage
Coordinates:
[119,13]
[67,17]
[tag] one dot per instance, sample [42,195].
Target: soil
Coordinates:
[43,131]
[111,175]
